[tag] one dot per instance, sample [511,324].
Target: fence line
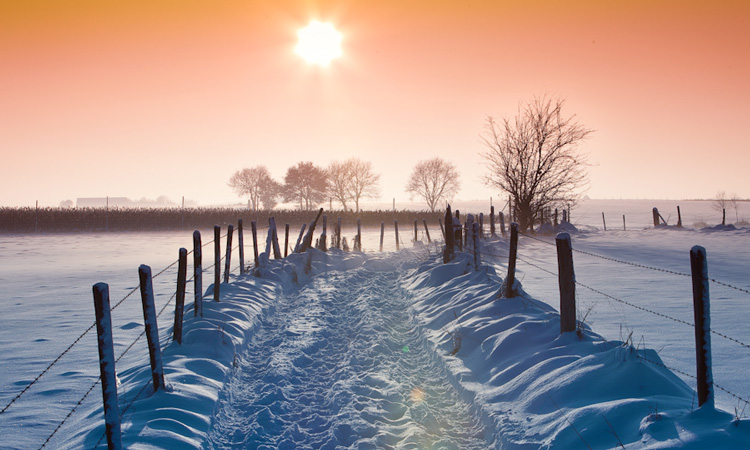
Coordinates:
[619,300]
[734,395]
[642,266]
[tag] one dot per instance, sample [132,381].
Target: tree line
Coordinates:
[349,182]
[533,157]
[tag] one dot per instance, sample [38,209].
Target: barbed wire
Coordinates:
[644,309]
[641,266]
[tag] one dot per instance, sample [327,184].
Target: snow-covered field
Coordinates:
[359,353]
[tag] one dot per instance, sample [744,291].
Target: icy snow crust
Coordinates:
[400,351]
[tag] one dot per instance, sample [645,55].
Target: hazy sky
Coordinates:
[142,98]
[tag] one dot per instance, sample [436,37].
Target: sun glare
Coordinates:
[319,43]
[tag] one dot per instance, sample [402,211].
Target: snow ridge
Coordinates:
[397,350]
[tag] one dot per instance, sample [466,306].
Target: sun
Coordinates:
[319,43]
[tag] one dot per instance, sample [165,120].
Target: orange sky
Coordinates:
[148,98]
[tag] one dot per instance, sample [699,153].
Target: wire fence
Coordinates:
[498,255]
[67,351]
[490,252]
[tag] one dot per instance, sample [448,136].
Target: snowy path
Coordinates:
[341,363]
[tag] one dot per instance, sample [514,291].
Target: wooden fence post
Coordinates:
[604,221]
[299,238]
[481,225]
[623,223]
[274,239]
[510,280]
[286,240]
[197,274]
[152,330]
[475,234]
[442,229]
[228,257]
[107,366]
[502,223]
[567,282]
[416,232]
[492,221]
[217,262]
[655,213]
[307,242]
[395,227]
[323,243]
[254,230]
[338,234]
[382,235]
[358,244]
[241,243]
[179,308]
[723,216]
[426,231]
[702,314]
[679,217]
[450,242]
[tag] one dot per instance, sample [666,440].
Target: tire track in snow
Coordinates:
[340,364]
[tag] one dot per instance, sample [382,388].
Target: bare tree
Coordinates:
[338,183]
[352,180]
[535,159]
[258,185]
[433,180]
[364,182]
[305,184]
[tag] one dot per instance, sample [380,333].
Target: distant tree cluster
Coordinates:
[307,185]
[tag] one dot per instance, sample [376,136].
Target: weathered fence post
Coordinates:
[197,274]
[679,217]
[152,330]
[492,221]
[254,230]
[442,229]
[502,223]
[107,366]
[481,225]
[416,232]
[567,282]
[382,234]
[286,240]
[604,221]
[395,227]
[358,244]
[241,243]
[450,238]
[299,238]
[426,231]
[702,313]
[476,232]
[179,308]
[274,239]
[307,242]
[457,231]
[323,243]
[217,262]
[723,216]
[338,234]
[228,257]
[623,223]
[655,213]
[510,280]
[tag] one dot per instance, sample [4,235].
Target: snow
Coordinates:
[397,350]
